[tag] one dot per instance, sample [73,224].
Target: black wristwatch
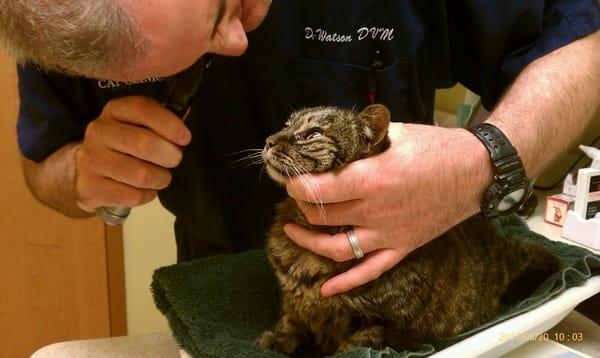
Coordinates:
[512,188]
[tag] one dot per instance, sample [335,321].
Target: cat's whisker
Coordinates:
[252,163]
[254,152]
[250,159]
[311,188]
[252,155]
[316,193]
[287,173]
[245,151]
[261,172]
[318,198]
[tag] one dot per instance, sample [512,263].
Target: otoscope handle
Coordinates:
[183,89]
[113,215]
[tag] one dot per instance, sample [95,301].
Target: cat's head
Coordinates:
[320,139]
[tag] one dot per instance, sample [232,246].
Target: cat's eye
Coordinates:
[309,134]
[313,134]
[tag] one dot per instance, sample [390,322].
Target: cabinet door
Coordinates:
[60,278]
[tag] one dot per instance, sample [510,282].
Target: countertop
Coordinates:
[163,345]
[157,345]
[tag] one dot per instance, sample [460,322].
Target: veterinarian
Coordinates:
[89,143]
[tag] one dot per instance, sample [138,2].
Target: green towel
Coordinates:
[217,306]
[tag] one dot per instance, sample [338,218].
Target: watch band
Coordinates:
[511,187]
[494,140]
[504,156]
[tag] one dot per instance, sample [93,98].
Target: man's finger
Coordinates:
[128,170]
[347,213]
[336,247]
[347,184]
[149,113]
[114,193]
[368,270]
[136,141]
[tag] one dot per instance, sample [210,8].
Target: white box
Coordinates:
[581,231]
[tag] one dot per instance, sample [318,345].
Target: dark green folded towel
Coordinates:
[218,305]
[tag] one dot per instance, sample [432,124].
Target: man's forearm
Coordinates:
[551,103]
[53,181]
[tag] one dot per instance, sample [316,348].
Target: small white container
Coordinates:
[581,231]
[587,198]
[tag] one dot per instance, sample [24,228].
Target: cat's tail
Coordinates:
[530,264]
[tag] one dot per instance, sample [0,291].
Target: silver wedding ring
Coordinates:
[353,240]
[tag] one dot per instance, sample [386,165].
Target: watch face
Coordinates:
[511,199]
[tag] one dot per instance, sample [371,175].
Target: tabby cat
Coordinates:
[450,285]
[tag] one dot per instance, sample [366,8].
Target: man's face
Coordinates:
[176,33]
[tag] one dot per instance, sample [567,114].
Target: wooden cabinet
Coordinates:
[60,278]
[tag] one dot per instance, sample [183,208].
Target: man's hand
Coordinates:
[396,201]
[127,152]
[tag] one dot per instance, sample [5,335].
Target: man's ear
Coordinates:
[377,117]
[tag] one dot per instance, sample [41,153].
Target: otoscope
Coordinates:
[183,89]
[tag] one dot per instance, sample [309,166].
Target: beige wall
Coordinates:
[149,244]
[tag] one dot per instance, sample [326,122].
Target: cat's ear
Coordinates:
[377,117]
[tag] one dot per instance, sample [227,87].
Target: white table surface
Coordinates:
[161,345]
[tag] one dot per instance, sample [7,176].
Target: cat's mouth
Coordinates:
[276,175]
[275,166]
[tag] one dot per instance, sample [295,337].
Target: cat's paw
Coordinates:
[370,337]
[277,342]
[266,340]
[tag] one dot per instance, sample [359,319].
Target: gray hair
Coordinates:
[72,36]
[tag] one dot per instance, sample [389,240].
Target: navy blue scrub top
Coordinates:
[309,53]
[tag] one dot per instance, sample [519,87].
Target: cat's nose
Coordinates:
[271,141]
[277,138]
